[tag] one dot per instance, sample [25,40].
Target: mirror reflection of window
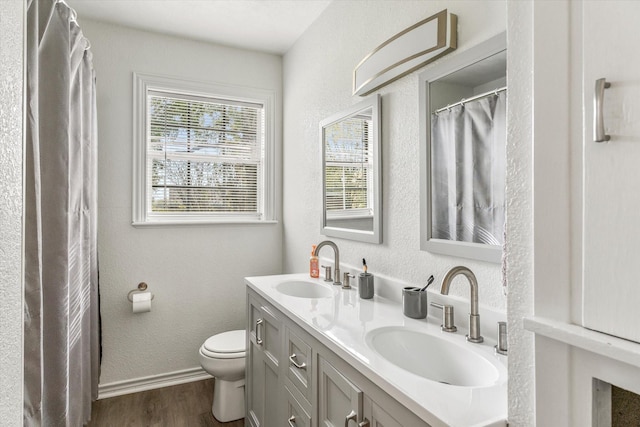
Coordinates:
[351,183]
[348,168]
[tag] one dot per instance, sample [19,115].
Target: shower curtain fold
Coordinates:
[468,161]
[62,331]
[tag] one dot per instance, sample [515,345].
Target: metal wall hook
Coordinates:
[142,286]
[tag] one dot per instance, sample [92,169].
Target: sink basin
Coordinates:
[302,289]
[433,357]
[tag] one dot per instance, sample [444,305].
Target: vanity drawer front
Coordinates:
[296,415]
[299,363]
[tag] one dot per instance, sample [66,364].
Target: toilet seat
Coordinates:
[226,345]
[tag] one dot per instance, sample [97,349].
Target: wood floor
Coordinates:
[185,405]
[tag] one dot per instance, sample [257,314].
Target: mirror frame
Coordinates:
[469,250]
[374,236]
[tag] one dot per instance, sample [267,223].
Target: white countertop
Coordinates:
[342,322]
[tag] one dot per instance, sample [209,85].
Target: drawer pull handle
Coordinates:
[598,114]
[259,326]
[292,421]
[351,417]
[364,423]
[295,363]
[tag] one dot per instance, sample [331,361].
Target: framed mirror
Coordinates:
[351,183]
[463,153]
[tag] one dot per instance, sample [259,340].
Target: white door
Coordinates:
[611,239]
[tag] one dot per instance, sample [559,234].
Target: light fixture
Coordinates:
[405,52]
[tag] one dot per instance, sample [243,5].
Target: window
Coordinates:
[348,169]
[204,153]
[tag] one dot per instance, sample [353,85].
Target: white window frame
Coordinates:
[142,85]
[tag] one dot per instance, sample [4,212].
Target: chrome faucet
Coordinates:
[474,317]
[336,262]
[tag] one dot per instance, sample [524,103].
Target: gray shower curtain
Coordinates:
[61,336]
[468,160]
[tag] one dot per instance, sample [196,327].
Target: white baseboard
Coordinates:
[119,388]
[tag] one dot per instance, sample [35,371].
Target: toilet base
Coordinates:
[228,400]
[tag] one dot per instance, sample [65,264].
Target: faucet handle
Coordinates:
[345,280]
[501,347]
[327,273]
[448,323]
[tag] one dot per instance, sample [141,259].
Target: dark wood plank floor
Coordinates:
[185,405]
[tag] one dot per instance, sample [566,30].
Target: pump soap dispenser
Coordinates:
[314,271]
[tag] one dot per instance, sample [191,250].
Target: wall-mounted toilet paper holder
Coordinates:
[142,286]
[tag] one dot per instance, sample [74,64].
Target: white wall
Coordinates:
[317,83]
[195,272]
[12,37]
[519,257]
[548,74]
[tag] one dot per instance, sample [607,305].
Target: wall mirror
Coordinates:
[463,153]
[351,181]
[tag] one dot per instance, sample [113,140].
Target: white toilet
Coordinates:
[223,356]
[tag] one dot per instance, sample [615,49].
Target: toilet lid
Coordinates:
[227,342]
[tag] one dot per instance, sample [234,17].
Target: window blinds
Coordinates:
[348,168]
[204,155]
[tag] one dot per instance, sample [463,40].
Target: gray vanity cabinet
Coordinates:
[339,400]
[263,379]
[296,414]
[377,416]
[294,380]
[299,364]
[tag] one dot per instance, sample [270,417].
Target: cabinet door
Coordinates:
[611,235]
[339,400]
[263,360]
[375,416]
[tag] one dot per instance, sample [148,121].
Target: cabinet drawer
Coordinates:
[299,363]
[296,415]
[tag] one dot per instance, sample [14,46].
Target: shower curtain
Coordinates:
[62,331]
[468,160]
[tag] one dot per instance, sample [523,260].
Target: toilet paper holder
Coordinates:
[142,286]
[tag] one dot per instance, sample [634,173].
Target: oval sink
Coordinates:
[302,289]
[432,357]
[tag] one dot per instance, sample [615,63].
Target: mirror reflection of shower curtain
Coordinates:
[468,161]
[61,310]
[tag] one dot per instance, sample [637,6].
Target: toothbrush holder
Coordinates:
[365,285]
[414,302]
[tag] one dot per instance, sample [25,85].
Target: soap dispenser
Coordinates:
[314,271]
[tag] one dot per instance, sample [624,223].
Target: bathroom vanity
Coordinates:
[319,355]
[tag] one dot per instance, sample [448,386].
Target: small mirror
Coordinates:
[351,173]
[463,153]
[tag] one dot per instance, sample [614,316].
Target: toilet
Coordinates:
[223,357]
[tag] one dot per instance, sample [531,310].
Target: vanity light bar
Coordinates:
[405,52]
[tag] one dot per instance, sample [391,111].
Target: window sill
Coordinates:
[160,224]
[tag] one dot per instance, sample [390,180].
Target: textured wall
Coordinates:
[317,83]
[520,212]
[11,93]
[195,272]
